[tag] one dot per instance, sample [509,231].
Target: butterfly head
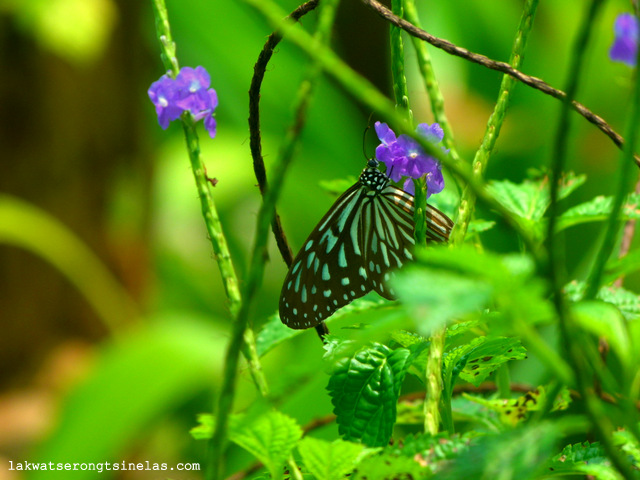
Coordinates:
[372,178]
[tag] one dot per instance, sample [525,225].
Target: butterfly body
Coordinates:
[364,237]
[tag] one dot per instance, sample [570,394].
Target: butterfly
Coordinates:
[364,237]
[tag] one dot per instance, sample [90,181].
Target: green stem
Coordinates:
[431,83]
[209,210]
[494,125]
[571,335]
[434,384]
[259,251]
[400,90]
[625,174]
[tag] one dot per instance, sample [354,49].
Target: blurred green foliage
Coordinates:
[164,369]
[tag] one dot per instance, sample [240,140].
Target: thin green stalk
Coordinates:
[612,227]
[259,251]
[400,90]
[494,125]
[569,331]
[207,204]
[625,175]
[434,385]
[431,83]
[503,381]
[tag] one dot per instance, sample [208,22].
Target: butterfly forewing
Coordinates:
[358,245]
[321,279]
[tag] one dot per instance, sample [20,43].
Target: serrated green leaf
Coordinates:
[604,320]
[531,198]
[583,459]
[364,389]
[528,200]
[270,437]
[330,460]
[597,210]
[627,302]
[628,443]
[475,361]
[432,448]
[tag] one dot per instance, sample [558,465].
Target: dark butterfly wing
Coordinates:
[355,248]
[388,229]
[323,276]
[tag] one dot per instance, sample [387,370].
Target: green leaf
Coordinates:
[518,454]
[628,443]
[448,296]
[627,302]
[597,210]
[330,460]
[432,448]
[389,467]
[531,198]
[270,437]
[364,390]
[515,410]
[604,320]
[475,361]
[445,284]
[617,267]
[528,200]
[583,459]
[479,226]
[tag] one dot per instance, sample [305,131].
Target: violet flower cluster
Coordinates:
[404,157]
[188,92]
[625,44]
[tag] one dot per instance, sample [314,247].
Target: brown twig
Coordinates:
[503,67]
[255,139]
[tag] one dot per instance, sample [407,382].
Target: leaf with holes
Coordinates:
[364,390]
[514,410]
[475,361]
[583,459]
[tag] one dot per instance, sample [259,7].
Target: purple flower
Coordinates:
[188,92]
[625,45]
[404,157]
